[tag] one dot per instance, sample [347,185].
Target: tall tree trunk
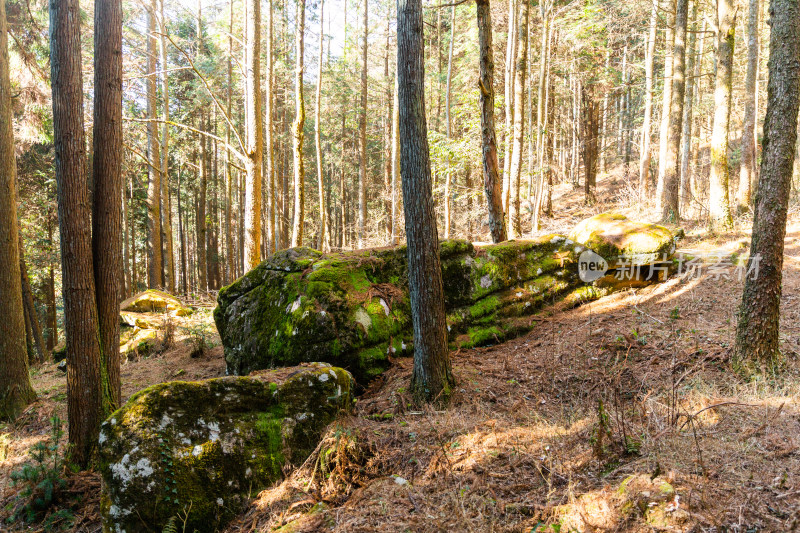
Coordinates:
[299,122]
[15,385]
[432,378]
[324,241]
[491,178]
[535,194]
[515,168]
[747,169]
[155,271]
[395,164]
[719,197]
[202,225]
[84,393]
[52,310]
[449,131]
[166,204]
[362,138]
[757,334]
[666,102]
[269,148]
[30,306]
[230,269]
[508,87]
[255,135]
[672,178]
[589,130]
[693,69]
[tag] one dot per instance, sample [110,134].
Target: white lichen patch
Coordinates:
[220,502]
[102,438]
[324,377]
[165,421]
[539,272]
[197,450]
[385,306]
[294,306]
[362,317]
[486,281]
[125,471]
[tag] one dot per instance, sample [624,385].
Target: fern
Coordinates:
[171,526]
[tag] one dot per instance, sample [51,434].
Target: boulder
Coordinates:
[196,451]
[619,239]
[351,309]
[153,301]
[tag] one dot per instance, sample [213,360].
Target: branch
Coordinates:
[211,94]
[235,152]
[156,73]
[140,154]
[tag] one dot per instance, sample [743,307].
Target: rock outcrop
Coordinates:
[352,309]
[196,451]
[619,239]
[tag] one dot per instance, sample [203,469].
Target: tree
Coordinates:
[84,378]
[666,102]
[362,137]
[645,152]
[255,136]
[432,377]
[491,178]
[166,203]
[324,239]
[719,198]
[297,128]
[757,340]
[672,168]
[155,272]
[15,385]
[515,168]
[747,169]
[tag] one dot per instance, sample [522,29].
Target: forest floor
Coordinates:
[623,414]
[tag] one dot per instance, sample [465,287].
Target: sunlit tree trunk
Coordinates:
[693,70]
[672,167]
[747,169]
[323,230]
[29,307]
[666,101]
[757,334]
[449,127]
[297,130]
[508,86]
[515,168]
[15,385]
[719,179]
[230,269]
[362,137]
[166,202]
[432,378]
[491,172]
[155,270]
[395,165]
[255,135]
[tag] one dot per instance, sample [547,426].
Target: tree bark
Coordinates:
[29,306]
[515,168]
[448,201]
[324,241]
[666,102]
[692,68]
[432,378]
[672,166]
[166,203]
[719,179]
[747,169]
[155,271]
[508,101]
[255,135]
[491,178]
[298,136]
[202,225]
[362,138]
[15,385]
[395,164]
[757,334]
[84,395]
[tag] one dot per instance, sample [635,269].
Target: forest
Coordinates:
[373,265]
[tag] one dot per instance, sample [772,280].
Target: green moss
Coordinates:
[484,307]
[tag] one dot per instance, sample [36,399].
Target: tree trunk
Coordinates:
[299,121]
[255,135]
[155,271]
[362,138]
[590,128]
[395,164]
[30,306]
[166,204]
[448,201]
[747,169]
[491,178]
[230,269]
[666,102]
[508,87]
[84,378]
[757,335]
[672,167]
[324,241]
[202,227]
[432,378]
[15,385]
[719,198]
[515,168]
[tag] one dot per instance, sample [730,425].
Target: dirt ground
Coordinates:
[623,414]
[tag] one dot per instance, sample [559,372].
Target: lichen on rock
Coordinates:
[203,448]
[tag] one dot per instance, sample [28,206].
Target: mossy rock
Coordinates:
[204,448]
[619,239]
[154,301]
[352,309]
[60,352]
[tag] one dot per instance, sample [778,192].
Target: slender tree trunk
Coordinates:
[395,164]
[515,169]
[666,102]
[84,377]
[15,385]
[30,306]
[155,272]
[590,129]
[448,201]
[535,194]
[757,335]
[387,134]
[508,86]
[324,241]
[230,269]
[202,225]
[719,198]
[747,169]
[362,138]
[491,172]
[52,312]
[693,68]
[255,135]
[432,378]
[166,204]
[672,167]
[299,121]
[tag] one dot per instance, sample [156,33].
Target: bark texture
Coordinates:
[255,136]
[671,190]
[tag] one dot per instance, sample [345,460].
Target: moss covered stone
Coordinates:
[154,301]
[617,238]
[202,448]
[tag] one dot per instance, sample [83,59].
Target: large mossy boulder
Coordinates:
[352,310]
[619,239]
[196,451]
[154,301]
